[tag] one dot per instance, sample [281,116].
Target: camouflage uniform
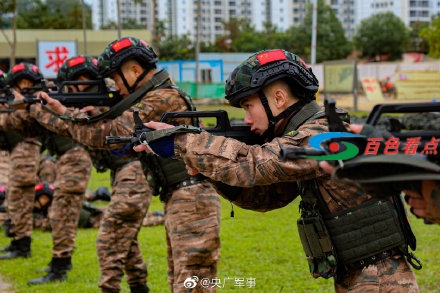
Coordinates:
[4,166]
[20,193]
[192,213]
[117,244]
[73,167]
[258,180]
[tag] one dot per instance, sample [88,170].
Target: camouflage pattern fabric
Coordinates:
[151,107]
[41,222]
[47,170]
[192,223]
[269,183]
[392,274]
[73,173]
[4,167]
[153,219]
[117,244]
[21,187]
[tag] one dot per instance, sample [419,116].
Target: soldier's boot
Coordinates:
[57,273]
[18,248]
[7,248]
[139,289]
[49,267]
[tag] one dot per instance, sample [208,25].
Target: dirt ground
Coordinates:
[5,287]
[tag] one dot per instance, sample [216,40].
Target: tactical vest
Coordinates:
[104,159]
[57,145]
[9,139]
[351,238]
[164,174]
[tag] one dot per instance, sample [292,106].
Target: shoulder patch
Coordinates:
[140,105]
[292,133]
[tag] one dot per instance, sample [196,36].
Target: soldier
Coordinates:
[73,170]
[24,156]
[129,202]
[277,91]
[4,160]
[192,207]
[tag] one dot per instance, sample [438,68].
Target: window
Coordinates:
[206,75]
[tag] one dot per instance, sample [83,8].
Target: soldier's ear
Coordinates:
[280,96]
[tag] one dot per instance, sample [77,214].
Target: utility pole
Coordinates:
[118,9]
[199,23]
[84,26]
[314,25]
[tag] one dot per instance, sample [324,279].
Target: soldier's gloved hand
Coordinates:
[163,147]
[149,149]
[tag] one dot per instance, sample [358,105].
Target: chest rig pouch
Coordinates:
[315,239]
[352,238]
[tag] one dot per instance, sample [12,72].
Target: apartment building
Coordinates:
[180,16]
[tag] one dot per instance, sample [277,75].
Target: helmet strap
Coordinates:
[270,132]
[132,88]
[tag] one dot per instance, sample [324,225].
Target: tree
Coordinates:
[382,34]
[417,43]
[66,14]
[175,48]
[432,36]
[10,7]
[331,43]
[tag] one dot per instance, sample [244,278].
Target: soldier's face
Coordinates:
[255,114]
[23,83]
[131,71]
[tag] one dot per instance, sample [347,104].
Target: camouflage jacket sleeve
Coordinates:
[21,122]
[233,162]
[150,107]
[267,182]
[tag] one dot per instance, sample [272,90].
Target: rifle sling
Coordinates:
[158,79]
[302,116]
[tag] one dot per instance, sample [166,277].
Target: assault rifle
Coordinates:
[222,127]
[394,126]
[402,170]
[100,96]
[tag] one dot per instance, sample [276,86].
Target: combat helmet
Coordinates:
[265,67]
[74,67]
[122,50]
[24,70]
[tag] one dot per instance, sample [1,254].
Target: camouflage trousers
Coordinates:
[47,170]
[21,186]
[192,223]
[73,173]
[117,244]
[392,274]
[4,167]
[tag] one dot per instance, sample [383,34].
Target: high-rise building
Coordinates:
[180,16]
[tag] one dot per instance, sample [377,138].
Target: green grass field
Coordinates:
[260,246]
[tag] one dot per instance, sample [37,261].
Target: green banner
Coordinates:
[203,90]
